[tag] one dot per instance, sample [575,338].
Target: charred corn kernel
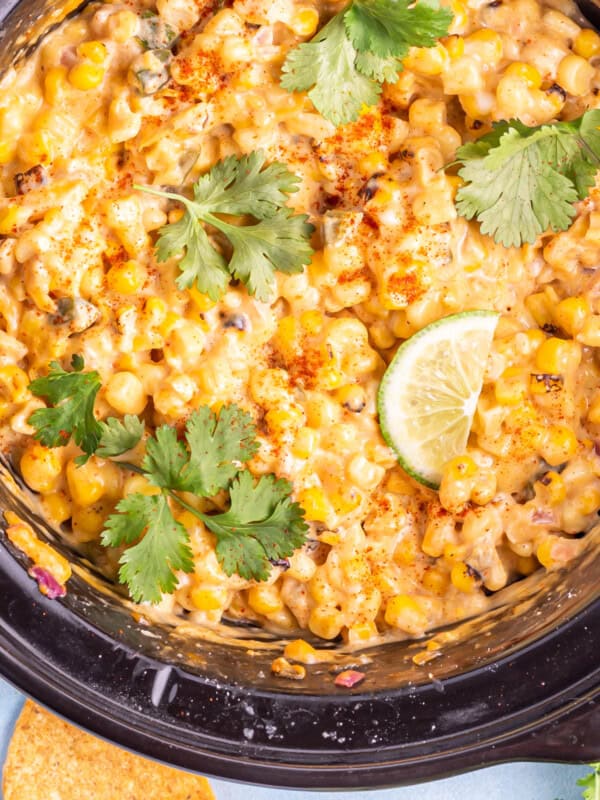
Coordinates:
[209,599]
[544,384]
[125,392]
[304,21]
[94,51]
[302,651]
[326,622]
[13,384]
[373,163]
[427,60]
[588,500]
[9,220]
[587,43]
[526,565]
[282,668]
[555,356]
[200,300]
[544,551]
[23,537]
[54,84]
[352,397]
[86,75]
[459,468]
[540,309]
[264,599]
[511,386]
[41,467]
[85,482]
[593,413]
[575,75]
[464,578]
[455,46]
[316,506]
[436,581]
[125,278]
[571,313]
[305,443]
[553,486]
[57,507]
[407,613]
[560,445]
[526,72]
[312,321]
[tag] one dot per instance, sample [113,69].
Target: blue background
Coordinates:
[505,782]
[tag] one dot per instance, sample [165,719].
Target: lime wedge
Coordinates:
[429,392]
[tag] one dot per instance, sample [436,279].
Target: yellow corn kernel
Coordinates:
[477,104]
[526,565]
[486,44]
[526,72]
[125,393]
[345,502]
[13,384]
[373,163]
[94,51]
[405,552]
[305,442]
[312,321]
[54,84]
[459,468]
[352,397]
[407,613]
[559,445]
[286,337]
[166,326]
[325,622]
[86,75]
[282,668]
[454,552]
[544,551]
[587,43]
[316,506]
[264,599]
[590,331]
[125,278]
[123,25]
[284,418]
[36,147]
[545,383]
[41,467]
[511,386]
[553,486]
[86,482]
[200,300]
[320,589]
[555,356]
[9,220]
[7,151]
[461,15]
[329,537]
[301,651]
[329,377]
[57,507]
[575,75]
[88,522]
[436,581]
[209,599]
[455,46]
[427,60]
[23,537]
[384,195]
[156,310]
[304,21]
[593,413]
[464,578]
[588,500]
[540,309]
[571,313]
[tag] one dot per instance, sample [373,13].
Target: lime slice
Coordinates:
[429,392]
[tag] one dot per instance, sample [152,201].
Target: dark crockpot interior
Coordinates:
[523,683]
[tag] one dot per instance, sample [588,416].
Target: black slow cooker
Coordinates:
[520,682]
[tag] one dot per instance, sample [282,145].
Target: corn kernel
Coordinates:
[555,356]
[593,413]
[286,338]
[41,467]
[588,500]
[587,43]
[200,300]
[92,51]
[304,21]
[374,163]
[511,386]
[346,501]
[486,45]
[407,613]
[209,599]
[590,331]
[539,307]
[571,313]
[427,60]
[553,486]
[87,522]
[14,384]
[464,578]
[9,220]
[125,278]
[37,147]
[575,75]
[559,445]
[455,45]
[544,551]
[305,442]
[312,321]
[125,393]
[361,633]
[86,483]
[526,72]
[320,589]
[264,599]
[454,552]
[285,418]
[302,651]
[283,669]
[57,507]
[316,506]
[526,565]
[325,622]
[86,75]
[459,468]
[405,552]
[54,84]
[477,104]
[436,581]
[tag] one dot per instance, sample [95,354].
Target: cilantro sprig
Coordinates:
[591,783]
[520,181]
[278,239]
[345,63]
[261,525]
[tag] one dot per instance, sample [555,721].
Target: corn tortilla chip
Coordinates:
[48,759]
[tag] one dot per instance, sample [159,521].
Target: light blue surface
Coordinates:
[506,782]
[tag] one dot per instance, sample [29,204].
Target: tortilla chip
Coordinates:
[48,759]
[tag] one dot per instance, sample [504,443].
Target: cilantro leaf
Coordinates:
[328,64]
[591,783]
[149,566]
[119,437]
[520,180]
[165,458]
[72,395]
[217,447]
[391,27]
[261,524]
[345,63]
[279,240]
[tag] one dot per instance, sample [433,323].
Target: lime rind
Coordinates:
[428,395]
